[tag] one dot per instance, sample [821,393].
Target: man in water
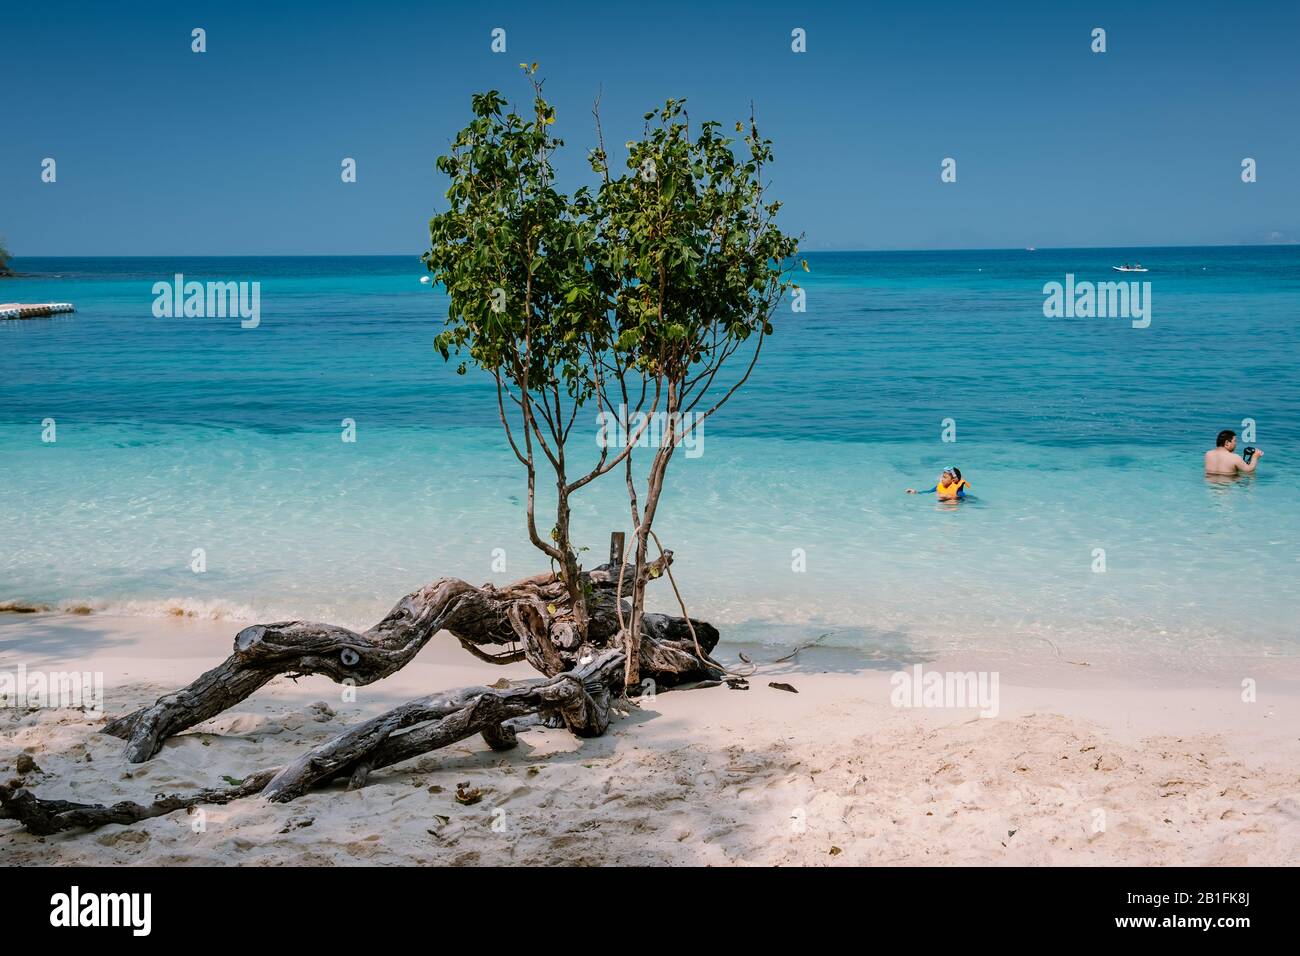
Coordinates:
[1223,460]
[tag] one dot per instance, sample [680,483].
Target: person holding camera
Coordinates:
[1223,460]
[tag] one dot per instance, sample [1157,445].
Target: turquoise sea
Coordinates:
[1076,434]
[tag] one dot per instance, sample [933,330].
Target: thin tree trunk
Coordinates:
[642,574]
[572,570]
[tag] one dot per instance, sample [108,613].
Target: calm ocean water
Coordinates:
[1076,434]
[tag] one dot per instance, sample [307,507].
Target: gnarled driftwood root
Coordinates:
[582,698]
[528,620]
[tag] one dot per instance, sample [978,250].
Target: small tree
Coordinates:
[529,300]
[657,281]
[701,266]
[639,293]
[4,259]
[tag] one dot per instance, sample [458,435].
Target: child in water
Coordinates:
[949,487]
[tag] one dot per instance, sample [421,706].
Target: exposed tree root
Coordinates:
[44,817]
[581,697]
[528,620]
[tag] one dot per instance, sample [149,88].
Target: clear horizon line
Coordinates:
[416,255]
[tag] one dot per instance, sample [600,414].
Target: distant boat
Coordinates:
[1030,249]
[1130,269]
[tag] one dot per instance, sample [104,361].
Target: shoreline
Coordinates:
[1181,770]
[213,623]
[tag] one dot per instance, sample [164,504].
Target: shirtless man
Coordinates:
[1222,459]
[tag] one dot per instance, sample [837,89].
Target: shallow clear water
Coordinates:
[1076,434]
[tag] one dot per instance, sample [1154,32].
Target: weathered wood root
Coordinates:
[297,648]
[44,817]
[581,696]
[528,620]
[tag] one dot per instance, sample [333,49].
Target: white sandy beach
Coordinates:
[1083,765]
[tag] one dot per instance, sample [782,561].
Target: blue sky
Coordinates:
[237,150]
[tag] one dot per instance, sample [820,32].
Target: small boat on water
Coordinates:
[1127,268]
[40,310]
